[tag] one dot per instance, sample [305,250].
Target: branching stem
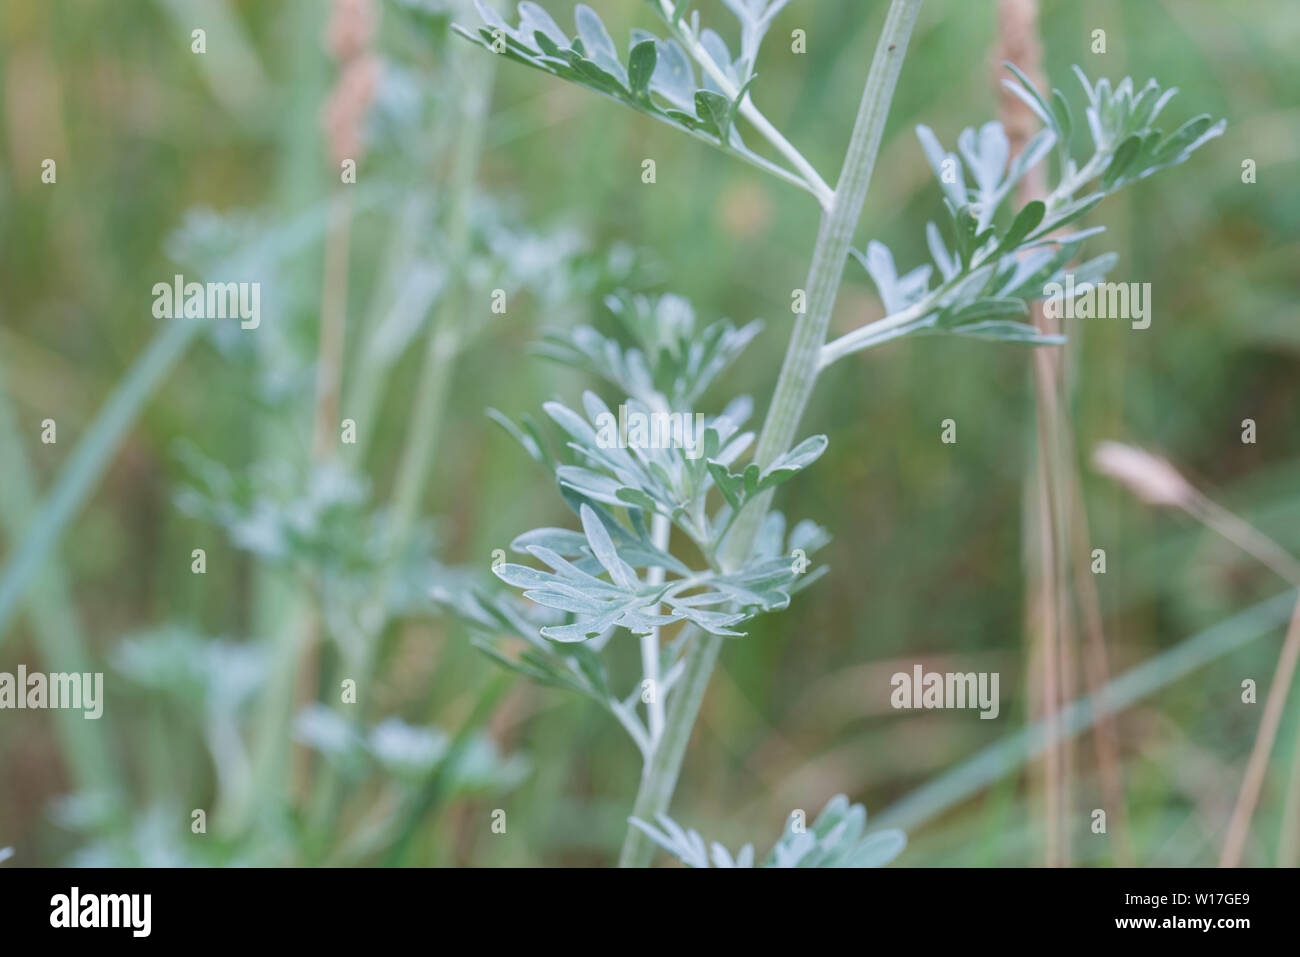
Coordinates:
[808,175]
[798,375]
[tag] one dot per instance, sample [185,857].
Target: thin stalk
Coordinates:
[1288,841]
[1047,623]
[443,343]
[325,425]
[438,785]
[983,769]
[882,330]
[770,133]
[1047,604]
[1157,482]
[423,432]
[402,286]
[802,359]
[1245,536]
[1270,553]
[1096,669]
[88,461]
[300,182]
[767,166]
[333,324]
[810,177]
[659,530]
[56,626]
[798,375]
[660,777]
[446,334]
[1239,824]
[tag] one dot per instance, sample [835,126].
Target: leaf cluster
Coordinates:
[612,572]
[657,75]
[993,262]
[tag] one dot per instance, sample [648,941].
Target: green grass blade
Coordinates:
[972,776]
[88,462]
[55,624]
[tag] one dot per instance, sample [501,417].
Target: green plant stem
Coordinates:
[52,613]
[808,176]
[443,343]
[660,777]
[333,324]
[442,779]
[798,375]
[401,274]
[660,528]
[802,359]
[89,459]
[446,335]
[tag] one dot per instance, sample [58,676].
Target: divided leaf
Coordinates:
[658,77]
[990,274]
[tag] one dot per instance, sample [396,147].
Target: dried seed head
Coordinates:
[1148,476]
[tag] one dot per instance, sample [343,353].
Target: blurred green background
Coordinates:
[169,161]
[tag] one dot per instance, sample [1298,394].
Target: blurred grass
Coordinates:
[926,560]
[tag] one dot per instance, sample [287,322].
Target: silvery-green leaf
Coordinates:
[560,540]
[1035,152]
[876,850]
[521,576]
[329,733]
[602,488]
[943,259]
[1002,330]
[1187,138]
[641,66]
[602,546]
[582,630]
[798,458]
[979,309]
[1028,93]
[1063,117]
[716,47]
[985,154]
[1083,80]
[1120,161]
[533,18]
[571,422]
[1094,270]
[492,18]
[407,750]
[935,153]
[1026,222]
[598,43]
[714,111]
[673,77]
[1057,218]
[528,439]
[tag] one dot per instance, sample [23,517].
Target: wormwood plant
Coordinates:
[673,536]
